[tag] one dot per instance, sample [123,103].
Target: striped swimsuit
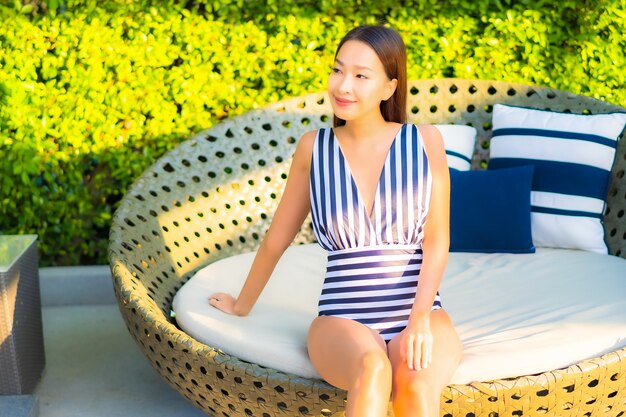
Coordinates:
[373,262]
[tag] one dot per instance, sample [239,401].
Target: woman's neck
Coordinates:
[365,129]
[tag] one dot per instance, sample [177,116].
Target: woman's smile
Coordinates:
[343,102]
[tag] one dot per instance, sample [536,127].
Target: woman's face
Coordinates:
[358,82]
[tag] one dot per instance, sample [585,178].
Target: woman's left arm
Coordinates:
[435,247]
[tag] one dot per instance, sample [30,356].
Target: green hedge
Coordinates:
[93,92]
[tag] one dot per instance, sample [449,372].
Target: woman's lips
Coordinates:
[343,102]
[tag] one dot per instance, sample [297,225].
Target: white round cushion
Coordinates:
[516,314]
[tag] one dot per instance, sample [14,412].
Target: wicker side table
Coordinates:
[22,357]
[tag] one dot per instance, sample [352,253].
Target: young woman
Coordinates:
[379,193]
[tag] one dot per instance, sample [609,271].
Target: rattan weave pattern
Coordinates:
[213,196]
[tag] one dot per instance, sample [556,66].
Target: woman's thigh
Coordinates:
[338,346]
[446,355]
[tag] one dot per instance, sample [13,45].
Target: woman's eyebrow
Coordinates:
[356,66]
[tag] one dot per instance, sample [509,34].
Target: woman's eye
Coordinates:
[335,70]
[361,76]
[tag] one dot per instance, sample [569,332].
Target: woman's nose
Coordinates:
[345,85]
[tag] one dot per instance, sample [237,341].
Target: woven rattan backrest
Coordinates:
[213,196]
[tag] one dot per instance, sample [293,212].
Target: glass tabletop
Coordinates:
[12,247]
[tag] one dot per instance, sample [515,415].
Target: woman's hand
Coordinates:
[416,342]
[224,302]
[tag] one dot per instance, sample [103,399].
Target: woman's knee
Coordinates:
[420,395]
[420,389]
[375,364]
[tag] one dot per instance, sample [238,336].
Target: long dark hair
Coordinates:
[389,46]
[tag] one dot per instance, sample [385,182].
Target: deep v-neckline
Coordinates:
[369,213]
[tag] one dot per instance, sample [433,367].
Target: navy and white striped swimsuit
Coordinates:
[373,262]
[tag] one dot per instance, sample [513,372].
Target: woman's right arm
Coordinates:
[292,209]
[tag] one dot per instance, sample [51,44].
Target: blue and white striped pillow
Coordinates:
[459,142]
[572,155]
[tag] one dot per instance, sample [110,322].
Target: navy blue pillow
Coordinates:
[490,210]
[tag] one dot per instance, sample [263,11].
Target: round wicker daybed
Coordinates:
[214,195]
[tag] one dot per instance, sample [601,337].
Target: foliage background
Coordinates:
[93,92]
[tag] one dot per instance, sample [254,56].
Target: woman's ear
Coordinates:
[390,89]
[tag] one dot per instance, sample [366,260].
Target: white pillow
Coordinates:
[572,155]
[459,141]
[516,314]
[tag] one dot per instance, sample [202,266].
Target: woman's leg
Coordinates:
[417,393]
[352,357]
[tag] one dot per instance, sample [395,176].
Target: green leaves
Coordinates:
[92,93]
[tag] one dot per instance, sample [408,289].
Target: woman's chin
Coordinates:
[343,114]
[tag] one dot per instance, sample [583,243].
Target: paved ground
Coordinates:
[105,375]
[93,366]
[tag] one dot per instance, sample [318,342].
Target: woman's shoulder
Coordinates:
[428,132]
[308,138]
[433,143]
[304,147]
